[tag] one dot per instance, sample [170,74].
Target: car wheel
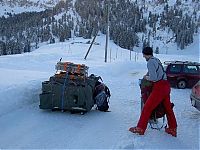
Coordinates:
[181,84]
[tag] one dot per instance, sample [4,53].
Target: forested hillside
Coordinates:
[131,23]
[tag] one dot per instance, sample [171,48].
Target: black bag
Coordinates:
[101,96]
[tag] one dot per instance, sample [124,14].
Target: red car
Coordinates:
[195,96]
[182,74]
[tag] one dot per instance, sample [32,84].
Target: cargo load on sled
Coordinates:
[70,89]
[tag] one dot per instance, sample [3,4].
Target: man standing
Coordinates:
[160,93]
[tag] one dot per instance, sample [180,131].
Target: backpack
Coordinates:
[101,96]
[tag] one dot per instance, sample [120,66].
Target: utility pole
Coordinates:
[107,33]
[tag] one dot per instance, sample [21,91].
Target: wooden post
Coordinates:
[107,33]
[90,46]
[110,54]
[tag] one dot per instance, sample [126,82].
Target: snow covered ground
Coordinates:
[24,126]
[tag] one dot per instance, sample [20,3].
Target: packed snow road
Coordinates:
[24,125]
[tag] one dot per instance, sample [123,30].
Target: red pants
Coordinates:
[160,92]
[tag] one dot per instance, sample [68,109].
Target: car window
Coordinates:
[175,68]
[190,69]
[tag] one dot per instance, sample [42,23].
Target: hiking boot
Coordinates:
[171,131]
[137,130]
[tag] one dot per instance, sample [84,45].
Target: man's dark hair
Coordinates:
[147,51]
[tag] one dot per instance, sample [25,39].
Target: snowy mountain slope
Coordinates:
[156,6]
[13,5]
[24,125]
[18,6]
[157,36]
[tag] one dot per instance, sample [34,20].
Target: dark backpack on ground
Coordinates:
[101,96]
